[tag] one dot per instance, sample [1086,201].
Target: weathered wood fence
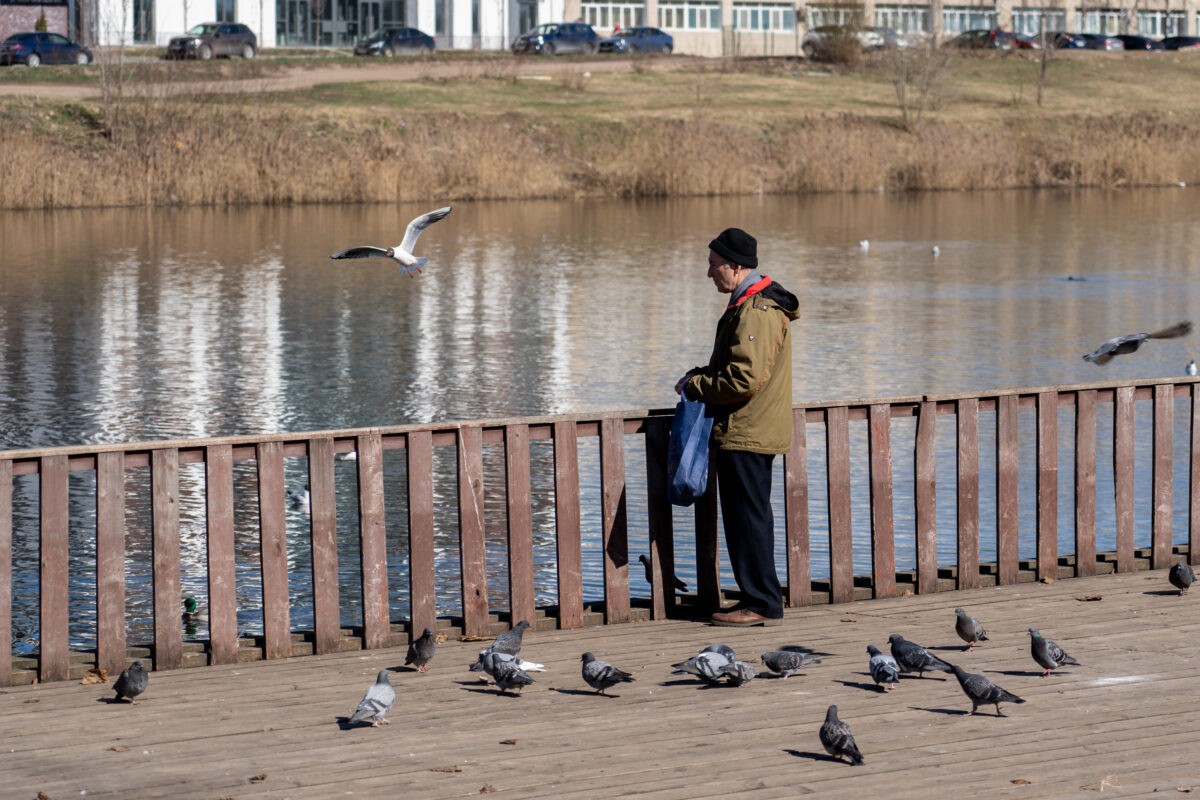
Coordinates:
[112,466]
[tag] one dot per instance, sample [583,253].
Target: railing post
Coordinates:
[567,524]
[795,475]
[272,526]
[1123,429]
[967,462]
[222,567]
[883,526]
[327,624]
[168,625]
[6,515]
[54,658]
[659,521]
[708,562]
[422,578]
[1007,488]
[372,532]
[472,546]
[1164,469]
[1085,483]
[110,562]
[615,520]
[1047,486]
[1193,556]
[926,498]
[841,544]
[520,522]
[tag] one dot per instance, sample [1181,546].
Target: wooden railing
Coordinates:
[115,469]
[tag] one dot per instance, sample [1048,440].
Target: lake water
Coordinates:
[122,325]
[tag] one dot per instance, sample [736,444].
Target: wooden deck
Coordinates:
[1127,723]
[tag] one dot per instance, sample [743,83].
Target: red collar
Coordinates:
[753,290]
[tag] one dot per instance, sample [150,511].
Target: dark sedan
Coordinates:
[35,49]
[994,39]
[1067,41]
[1132,42]
[390,41]
[1101,41]
[554,38]
[638,40]
[1181,42]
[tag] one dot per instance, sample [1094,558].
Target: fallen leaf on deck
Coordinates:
[487,789]
[1047,580]
[119,748]
[1183,788]
[848,619]
[508,741]
[1020,781]
[259,778]
[475,638]
[95,675]
[1107,782]
[1089,598]
[454,768]
[33,700]
[44,796]
[440,637]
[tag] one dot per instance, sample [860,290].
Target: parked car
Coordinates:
[1181,42]
[557,37]
[390,41]
[1132,42]
[821,41]
[638,40]
[1026,42]
[210,39]
[1067,41]
[34,49]
[1101,41]
[991,39]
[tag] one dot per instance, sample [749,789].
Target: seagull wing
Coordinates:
[418,225]
[366,251]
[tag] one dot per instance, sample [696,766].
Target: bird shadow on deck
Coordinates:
[1163,593]
[1019,673]
[813,756]
[857,685]
[950,712]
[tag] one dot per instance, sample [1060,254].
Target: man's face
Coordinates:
[726,276]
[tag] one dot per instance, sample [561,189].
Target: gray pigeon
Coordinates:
[980,691]
[1130,342]
[680,586]
[481,662]
[376,703]
[1047,653]
[739,672]
[133,681]
[601,675]
[506,673]
[510,641]
[788,662]
[837,739]
[884,668]
[911,657]
[1181,576]
[421,650]
[968,629]
[708,665]
[723,649]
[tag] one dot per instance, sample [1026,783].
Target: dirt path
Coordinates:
[305,77]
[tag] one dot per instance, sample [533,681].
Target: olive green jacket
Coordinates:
[747,384]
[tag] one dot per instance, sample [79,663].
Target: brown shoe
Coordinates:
[742,618]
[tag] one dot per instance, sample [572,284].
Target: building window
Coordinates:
[226,10]
[1160,23]
[704,16]
[610,15]
[835,15]
[1099,20]
[956,19]
[905,19]
[143,22]
[393,14]
[764,17]
[1029,20]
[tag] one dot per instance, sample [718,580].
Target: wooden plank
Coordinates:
[883,526]
[421,562]
[615,522]
[967,462]
[567,523]
[1047,486]
[795,500]
[372,532]
[168,626]
[53,581]
[110,561]
[708,561]
[6,586]
[327,612]
[518,494]
[222,566]
[841,534]
[471,544]
[1194,480]
[272,527]
[1163,476]
[1007,488]
[659,520]
[926,499]
[1123,427]
[1085,483]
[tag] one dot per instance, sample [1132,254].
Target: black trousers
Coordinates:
[744,484]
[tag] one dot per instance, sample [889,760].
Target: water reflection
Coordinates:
[123,325]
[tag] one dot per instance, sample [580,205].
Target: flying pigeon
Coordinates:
[505,672]
[601,675]
[133,681]
[680,586]
[1130,342]
[510,641]
[980,691]
[788,662]
[708,665]
[884,668]
[1181,576]
[968,629]
[739,672]
[402,253]
[837,739]
[376,703]
[913,658]
[1047,653]
[421,650]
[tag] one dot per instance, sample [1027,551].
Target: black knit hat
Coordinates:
[736,245]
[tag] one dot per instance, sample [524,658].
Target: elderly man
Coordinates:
[747,386]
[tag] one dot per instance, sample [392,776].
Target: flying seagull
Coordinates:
[1130,342]
[402,253]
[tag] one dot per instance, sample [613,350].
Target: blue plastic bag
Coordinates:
[687,455]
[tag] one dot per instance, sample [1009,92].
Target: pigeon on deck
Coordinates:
[1130,342]
[788,661]
[968,629]
[511,640]
[601,675]
[505,672]
[1047,653]
[421,650]
[402,253]
[1181,577]
[884,669]
[133,681]
[837,739]
[709,664]
[376,703]
[738,673]
[913,658]
[982,691]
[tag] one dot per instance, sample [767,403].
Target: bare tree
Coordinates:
[113,68]
[918,75]
[318,9]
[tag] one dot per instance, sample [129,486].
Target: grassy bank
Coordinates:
[649,130]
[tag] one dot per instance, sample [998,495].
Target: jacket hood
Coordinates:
[787,302]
